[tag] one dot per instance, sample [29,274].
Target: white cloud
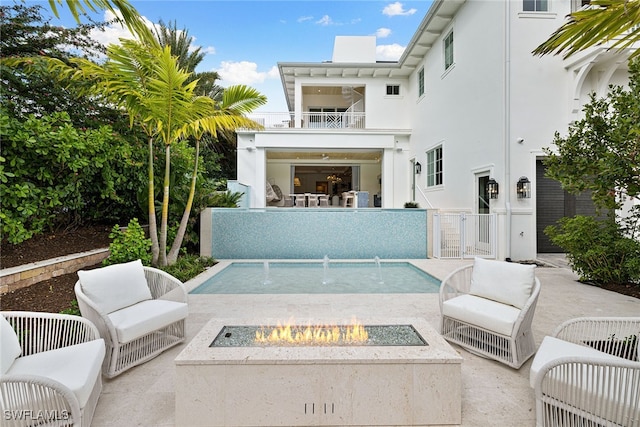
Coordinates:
[245,73]
[209,50]
[381,33]
[305,18]
[115,31]
[389,52]
[397,8]
[325,20]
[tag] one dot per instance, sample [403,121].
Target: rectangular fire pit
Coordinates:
[403,374]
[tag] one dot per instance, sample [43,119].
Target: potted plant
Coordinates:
[411,205]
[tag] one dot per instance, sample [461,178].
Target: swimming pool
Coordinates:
[324,277]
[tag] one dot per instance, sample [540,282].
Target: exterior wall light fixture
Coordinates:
[418,168]
[492,188]
[523,188]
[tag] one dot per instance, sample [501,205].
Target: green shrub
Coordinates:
[54,175]
[129,244]
[598,251]
[189,266]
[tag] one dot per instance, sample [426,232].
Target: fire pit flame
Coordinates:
[312,334]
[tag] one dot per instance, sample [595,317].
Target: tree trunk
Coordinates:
[177,243]
[164,221]
[153,227]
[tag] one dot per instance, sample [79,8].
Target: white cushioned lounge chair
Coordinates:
[587,373]
[139,311]
[50,369]
[488,307]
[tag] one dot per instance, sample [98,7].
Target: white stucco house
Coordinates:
[465,104]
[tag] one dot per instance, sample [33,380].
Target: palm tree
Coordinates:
[229,114]
[180,43]
[156,93]
[615,21]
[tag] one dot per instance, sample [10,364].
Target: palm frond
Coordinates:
[605,21]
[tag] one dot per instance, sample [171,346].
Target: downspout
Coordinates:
[507,125]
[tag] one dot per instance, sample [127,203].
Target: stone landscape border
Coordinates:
[28,274]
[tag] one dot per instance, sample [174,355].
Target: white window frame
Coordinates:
[396,86]
[435,167]
[537,5]
[421,88]
[448,52]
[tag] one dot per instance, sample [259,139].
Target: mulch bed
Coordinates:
[55,294]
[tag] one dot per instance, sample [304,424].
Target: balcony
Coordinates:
[311,120]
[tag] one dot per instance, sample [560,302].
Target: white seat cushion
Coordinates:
[482,312]
[553,348]
[116,286]
[9,345]
[77,366]
[506,282]
[145,317]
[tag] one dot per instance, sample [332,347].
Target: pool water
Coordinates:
[319,278]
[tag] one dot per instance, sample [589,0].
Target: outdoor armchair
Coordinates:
[139,311]
[587,373]
[51,369]
[488,307]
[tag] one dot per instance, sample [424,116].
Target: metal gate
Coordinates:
[464,235]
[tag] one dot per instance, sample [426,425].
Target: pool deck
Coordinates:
[492,394]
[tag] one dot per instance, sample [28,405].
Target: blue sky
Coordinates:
[244,40]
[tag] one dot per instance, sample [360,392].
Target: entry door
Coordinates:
[483,207]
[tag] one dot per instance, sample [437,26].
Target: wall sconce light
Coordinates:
[492,188]
[418,168]
[296,182]
[523,188]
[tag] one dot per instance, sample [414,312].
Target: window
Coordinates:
[421,82]
[535,5]
[448,50]
[393,89]
[579,4]
[434,167]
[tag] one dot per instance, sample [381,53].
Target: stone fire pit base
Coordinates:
[308,386]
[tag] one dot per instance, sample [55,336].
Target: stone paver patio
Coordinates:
[492,394]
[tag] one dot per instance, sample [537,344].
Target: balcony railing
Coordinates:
[345,120]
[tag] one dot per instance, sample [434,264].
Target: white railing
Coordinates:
[346,120]
[464,235]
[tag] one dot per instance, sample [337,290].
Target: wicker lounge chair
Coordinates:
[588,373]
[488,308]
[139,311]
[51,369]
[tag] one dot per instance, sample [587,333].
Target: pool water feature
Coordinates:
[322,277]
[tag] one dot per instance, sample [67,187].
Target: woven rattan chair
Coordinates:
[139,311]
[51,369]
[488,307]
[587,373]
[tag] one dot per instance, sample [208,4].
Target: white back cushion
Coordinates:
[506,282]
[116,286]
[9,345]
